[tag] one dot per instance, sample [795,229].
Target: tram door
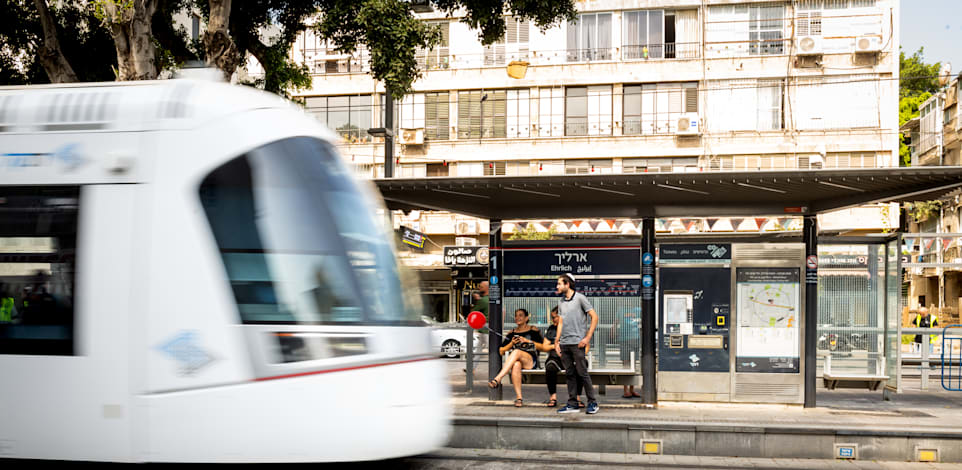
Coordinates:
[767,334]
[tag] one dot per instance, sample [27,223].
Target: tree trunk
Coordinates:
[220,49]
[49,54]
[133,38]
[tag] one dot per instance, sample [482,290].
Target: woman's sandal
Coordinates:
[518,403]
[552,403]
[581,404]
[493,383]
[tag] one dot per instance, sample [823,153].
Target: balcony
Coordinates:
[499,56]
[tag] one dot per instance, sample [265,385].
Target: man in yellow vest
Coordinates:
[925,320]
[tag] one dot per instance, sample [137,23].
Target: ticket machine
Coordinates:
[731,319]
[694,297]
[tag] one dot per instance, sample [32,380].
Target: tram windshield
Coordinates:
[300,238]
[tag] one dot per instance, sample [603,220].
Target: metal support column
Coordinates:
[810,333]
[649,390]
[495,317]
[389,134]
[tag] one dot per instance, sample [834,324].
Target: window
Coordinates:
[551,112]
[436,119]
[411,111]
[644,34]
[522,168]
[587,167]
[769,105]
[589,37]
[348,116]
[482,114]
[646,165]
[850,160]
[38,253]
[588,110]
[551,167]
[518,113]
[410,170]
[738,30]
[494,168]
[514,45]
[437,58]
[299,240]
[765,29]
[437,169]
[655,108]
[194,27]
[735,105]
[856,95]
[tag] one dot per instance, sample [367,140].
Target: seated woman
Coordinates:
[552,365]
[522,341]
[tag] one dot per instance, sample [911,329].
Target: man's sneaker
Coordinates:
[592,408]
[568,409]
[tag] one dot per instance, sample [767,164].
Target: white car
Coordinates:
[451,338]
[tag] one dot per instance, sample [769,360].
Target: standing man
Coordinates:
[576,325]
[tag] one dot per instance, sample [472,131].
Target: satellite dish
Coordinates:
[945,73]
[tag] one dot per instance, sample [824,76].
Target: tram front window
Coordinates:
[299,238]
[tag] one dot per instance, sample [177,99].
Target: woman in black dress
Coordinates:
[522,341]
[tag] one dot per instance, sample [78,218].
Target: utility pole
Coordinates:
[387,132]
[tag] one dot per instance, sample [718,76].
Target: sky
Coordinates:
[935,25]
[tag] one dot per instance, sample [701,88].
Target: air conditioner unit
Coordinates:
[466,227]
[688,124]
[411,136]
[465,241]
[809,45]
[868,44]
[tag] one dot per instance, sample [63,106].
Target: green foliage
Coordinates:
[917,76]
[919,81]
[922,211]
[393,34]
[531,233]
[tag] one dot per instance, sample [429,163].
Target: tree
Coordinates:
[70,33]
[393,34]
[145,41]
[919,81]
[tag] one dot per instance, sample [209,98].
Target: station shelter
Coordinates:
[720,317]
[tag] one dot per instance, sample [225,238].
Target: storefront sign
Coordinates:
[455,256]
[412,237]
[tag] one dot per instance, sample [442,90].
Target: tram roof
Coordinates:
[702,194]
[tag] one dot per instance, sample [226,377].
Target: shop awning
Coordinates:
[703,194]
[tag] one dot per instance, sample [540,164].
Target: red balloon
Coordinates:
[476,320]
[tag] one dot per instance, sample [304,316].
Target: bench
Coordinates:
[832,379]
[600,378]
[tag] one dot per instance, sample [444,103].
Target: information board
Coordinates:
[767,314]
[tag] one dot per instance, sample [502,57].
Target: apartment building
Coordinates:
[935,141]
[634,86]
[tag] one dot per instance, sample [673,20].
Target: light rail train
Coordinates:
[190,273]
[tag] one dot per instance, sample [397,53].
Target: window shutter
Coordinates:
[691,100]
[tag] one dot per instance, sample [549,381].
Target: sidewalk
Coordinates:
[884,430]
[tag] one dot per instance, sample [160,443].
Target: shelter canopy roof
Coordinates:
[702,194]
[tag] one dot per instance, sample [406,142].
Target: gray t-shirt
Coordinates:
[576,321]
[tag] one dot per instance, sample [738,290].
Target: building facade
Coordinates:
[935,141]
[635,86]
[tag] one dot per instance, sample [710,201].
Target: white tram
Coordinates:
[190,273]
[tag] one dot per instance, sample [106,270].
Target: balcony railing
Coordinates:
[443,60]
[672,50]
